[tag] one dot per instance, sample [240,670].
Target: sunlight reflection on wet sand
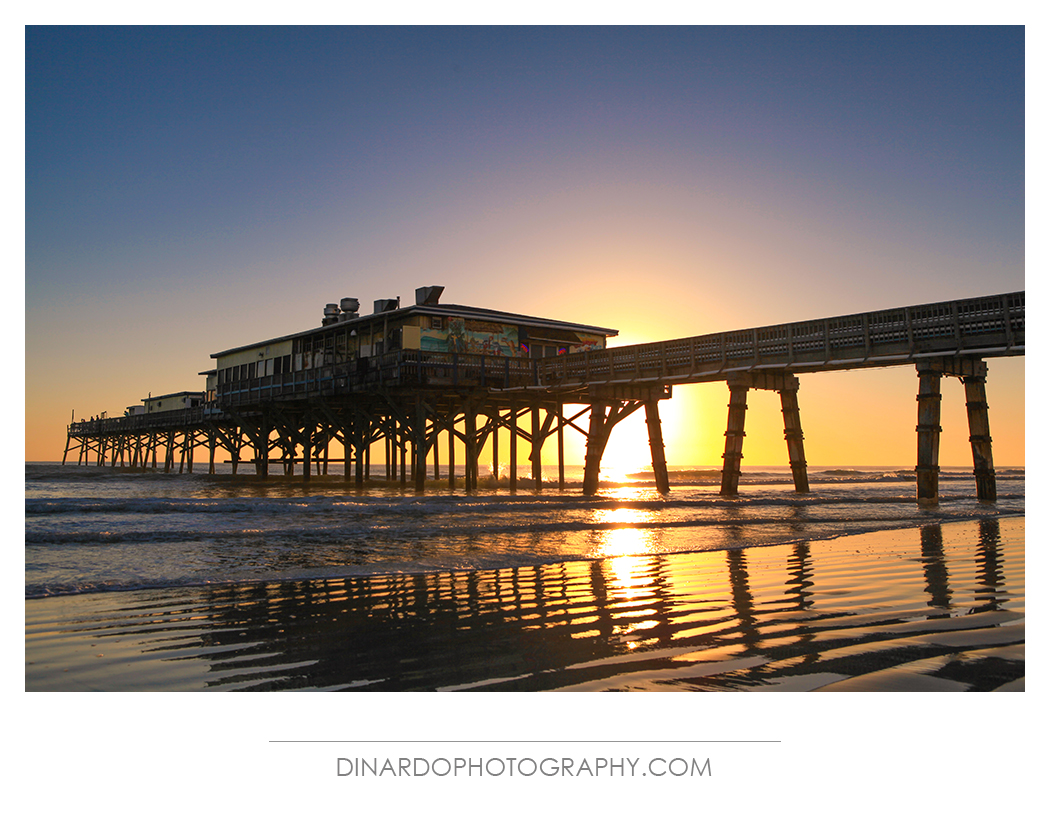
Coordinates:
[939,607]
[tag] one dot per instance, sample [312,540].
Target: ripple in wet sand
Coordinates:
[937,608]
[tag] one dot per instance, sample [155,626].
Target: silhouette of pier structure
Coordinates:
[409,377]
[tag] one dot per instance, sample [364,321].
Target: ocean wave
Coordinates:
[369,508]
[426,528]
[373,559]
[100,532]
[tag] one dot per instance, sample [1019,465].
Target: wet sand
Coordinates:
[938,608]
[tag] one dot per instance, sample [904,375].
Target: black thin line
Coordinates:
[525,741]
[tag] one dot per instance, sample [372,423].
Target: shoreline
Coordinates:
[851,611]
[342,572]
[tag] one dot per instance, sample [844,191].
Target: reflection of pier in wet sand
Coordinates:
[938,608]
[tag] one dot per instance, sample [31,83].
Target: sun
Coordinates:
[627,451]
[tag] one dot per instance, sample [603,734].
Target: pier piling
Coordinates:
[358,380]
[734,449]
[656,446]
[980,437]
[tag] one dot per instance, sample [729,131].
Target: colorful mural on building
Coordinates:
[474,338]
[588,343]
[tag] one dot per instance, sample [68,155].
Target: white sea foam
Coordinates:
[91,529]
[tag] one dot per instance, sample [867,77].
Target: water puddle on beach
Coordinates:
[940,607]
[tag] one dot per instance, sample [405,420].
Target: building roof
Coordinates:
[436,310]
[173,394]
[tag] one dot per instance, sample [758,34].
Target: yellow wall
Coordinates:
[254,354]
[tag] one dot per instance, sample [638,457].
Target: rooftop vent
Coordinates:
[331,314]
[386,305]
[428,296]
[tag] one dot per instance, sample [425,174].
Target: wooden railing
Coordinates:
[140,423]
[991,326]
[408,367]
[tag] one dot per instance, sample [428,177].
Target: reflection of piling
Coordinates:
[800,568]
[935,567]
[743,600]
[990,574]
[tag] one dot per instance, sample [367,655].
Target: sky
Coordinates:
[188,190]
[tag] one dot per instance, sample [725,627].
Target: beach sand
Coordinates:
[937,608]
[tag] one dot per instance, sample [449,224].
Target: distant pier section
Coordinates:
[418,379]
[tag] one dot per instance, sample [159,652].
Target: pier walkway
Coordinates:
[408,398]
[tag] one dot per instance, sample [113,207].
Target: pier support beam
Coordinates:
[494,419]
[793,435]
[656,446]
[973,373]
[597,438]
[734,450]
[980,436]
[261,440]
[512,426]
[437,452]
[787,386]
[604,417]
[308,445]
[536,456]
[561,447]
[347,435]
[452,453]
[470,442]
[419,447]
[610,405]
[928,430]
[540,432]
[363,447]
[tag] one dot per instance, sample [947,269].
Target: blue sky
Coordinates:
[189,190]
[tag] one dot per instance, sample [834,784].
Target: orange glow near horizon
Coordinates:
[858,418]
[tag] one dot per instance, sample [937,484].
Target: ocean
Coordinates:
[93,529]
[162,582]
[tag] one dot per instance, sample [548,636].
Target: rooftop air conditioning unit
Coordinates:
[428,296]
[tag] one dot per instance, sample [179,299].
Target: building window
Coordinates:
[437,323]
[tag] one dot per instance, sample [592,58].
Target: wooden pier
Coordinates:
[412,400]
